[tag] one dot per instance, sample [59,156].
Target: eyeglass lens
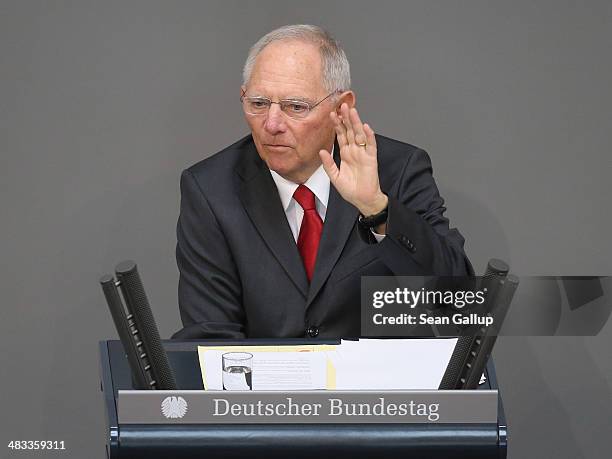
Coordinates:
[261,105]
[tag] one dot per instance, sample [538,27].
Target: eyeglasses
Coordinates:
[293,108]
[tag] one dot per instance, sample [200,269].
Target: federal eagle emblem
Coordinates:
[174,407]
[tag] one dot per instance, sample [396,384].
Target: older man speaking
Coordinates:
[276,230]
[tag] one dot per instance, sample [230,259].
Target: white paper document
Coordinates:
[392,364]
[367,364]
[274,370]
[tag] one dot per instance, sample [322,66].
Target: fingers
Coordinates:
[357,127]
[348,125]
[329,166]
[350,130]
[370,139]
[340,129]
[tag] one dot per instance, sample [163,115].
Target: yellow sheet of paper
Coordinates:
[331,370]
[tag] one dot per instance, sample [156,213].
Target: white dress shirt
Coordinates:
[318,183]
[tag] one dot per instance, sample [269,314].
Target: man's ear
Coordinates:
[242,90]
[347,97]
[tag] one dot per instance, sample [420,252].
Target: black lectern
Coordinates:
[293,441]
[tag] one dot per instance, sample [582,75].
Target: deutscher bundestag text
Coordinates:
[333,407]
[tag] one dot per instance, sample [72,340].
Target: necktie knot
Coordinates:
[305,198]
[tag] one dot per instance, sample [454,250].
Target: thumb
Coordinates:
[329,165]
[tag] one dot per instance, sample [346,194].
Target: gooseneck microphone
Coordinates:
[137,329]
[471,353]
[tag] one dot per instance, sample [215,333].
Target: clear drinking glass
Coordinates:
[237,371]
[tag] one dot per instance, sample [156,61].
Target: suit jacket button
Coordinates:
[407,243]
[313,331]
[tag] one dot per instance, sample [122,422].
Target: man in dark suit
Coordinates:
[276,230]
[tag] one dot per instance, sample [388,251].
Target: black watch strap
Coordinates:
[372,221]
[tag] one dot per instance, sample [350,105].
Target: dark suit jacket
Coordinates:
[240,271]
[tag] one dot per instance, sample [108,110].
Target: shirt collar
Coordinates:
[318,183]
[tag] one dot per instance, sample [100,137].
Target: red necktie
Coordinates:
[310,231]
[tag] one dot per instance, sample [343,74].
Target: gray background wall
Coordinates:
[102,104]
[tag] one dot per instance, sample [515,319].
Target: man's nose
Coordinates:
[275,121]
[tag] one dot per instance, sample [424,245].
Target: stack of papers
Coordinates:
[392,364]
[366,364]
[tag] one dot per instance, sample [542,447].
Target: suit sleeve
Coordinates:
[209,291]
[419,238]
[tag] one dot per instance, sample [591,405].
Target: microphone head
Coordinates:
[106,279]
[125,267]
[496,268]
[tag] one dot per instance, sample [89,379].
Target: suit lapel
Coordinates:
[339,221]
[263,205]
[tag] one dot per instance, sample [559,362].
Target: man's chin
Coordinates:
[281,162]
[285,164]
[281,170]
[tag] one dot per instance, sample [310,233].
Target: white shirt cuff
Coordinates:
[379,237]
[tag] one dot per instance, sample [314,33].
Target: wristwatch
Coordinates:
[372,221]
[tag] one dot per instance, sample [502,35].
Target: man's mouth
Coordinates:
[277,147]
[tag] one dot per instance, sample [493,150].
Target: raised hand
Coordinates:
[357,178]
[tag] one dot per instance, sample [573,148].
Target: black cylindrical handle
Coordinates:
[115,305]
[138,305]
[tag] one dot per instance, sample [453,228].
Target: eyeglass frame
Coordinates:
[310,108]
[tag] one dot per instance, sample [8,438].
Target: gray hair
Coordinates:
[336,70]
